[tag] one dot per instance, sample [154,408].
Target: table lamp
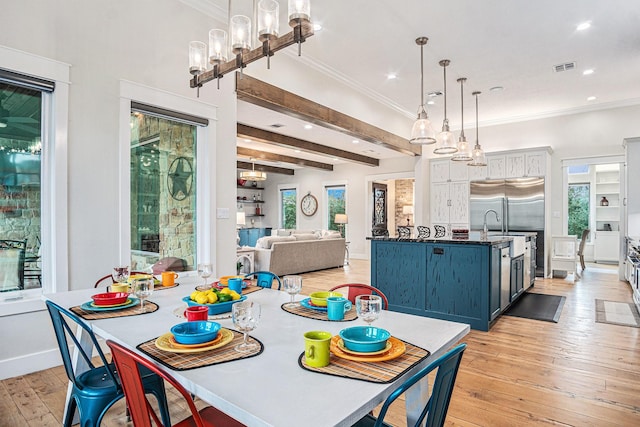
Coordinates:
[407,210]
[240,221]
[341,220]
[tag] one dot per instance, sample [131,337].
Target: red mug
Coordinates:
[196,312]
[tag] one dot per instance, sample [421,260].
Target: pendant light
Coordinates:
[445,139]
[478,154]
[464,149]
[422,132]
[253,174]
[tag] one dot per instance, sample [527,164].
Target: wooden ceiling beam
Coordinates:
[254,91]
[264,168]
[273,157]
[280,140]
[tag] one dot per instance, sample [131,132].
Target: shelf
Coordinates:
[246,215]
[244,187]
[250,201]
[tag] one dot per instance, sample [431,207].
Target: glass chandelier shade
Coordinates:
[268,22]
[422,132]
[197,57]
[218,44]
[446,143]
[240,29]
[299,11]
[479,158]
[464,149]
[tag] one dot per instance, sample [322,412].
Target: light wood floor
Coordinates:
[521,373]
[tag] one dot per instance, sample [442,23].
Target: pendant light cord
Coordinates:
[462,108]
[445,92]
[477,139]
[422,76]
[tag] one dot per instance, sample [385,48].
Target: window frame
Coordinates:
[325,199]
[54,197]
[283,187]
[205,156]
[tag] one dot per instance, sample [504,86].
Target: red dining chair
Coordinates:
[100,281]
[128,364]
[355,289]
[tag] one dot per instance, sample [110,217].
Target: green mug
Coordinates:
[316,348]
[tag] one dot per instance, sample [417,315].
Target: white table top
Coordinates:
[272,389]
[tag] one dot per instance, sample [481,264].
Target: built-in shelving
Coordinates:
[607,212]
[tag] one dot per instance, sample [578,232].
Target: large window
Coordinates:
[288,203]
[579,195]
[336,204]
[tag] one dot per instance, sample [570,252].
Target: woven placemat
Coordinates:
[374,372]
[300,310]
[149,307]
[186,361]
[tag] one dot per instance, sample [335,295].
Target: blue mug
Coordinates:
[235,284]
[337,307]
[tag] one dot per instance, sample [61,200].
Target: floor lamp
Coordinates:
[341,220]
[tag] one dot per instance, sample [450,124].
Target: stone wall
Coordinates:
[404,197]
[20,215]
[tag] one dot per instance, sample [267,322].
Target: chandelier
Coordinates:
[253,174]
[266,15]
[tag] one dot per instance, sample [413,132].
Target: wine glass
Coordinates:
[246,315]
[292,286]
[368,307]
[143,288]
[205,270]
[120,274]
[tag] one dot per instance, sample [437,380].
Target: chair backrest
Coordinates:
[404,232]
[128,365]
[60,318]
[108,279]
[355,289]
[437,405]
[265,279]
[12,264]
[583,240]
[440,231]
[564,247]
[379,232]
[423,232]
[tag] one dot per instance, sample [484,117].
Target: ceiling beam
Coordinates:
[273,157]
[254,91]
[264,168]
[280,140]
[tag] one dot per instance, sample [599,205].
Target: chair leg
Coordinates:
[71,410]
[582,262]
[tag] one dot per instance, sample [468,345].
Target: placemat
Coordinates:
[150,307]
[186,361]
[299,310]
[374,372]
[159,287]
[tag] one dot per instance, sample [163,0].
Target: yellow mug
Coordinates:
[316,348]
[168,278]
[119,287]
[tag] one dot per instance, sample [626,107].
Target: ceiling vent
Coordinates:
[277,125]
[564,67]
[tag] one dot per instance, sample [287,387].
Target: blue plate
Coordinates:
[88,306]
[217,308]
[306,303]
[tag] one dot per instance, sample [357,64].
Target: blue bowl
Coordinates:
[365,339]
[195,332]
[217,308]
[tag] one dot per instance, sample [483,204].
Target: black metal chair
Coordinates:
[423,232]
[379,232]
[440,231]
[404,232]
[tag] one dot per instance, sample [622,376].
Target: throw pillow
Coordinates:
[301,237]
[267,241]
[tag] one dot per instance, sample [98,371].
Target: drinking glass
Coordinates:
[205,270]
[120,274]
[245,316]
[143,288]
[292,286]
[368,307]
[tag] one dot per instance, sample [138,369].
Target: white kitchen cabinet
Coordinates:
[478,173]
[459,202]
[514,165]
[518,165]
[535,164]
[447,170]
[607,246]
[439,206]
[496,165]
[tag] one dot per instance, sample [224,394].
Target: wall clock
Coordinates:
[309,204]
[180,178]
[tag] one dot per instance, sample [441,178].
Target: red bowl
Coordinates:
[110,298]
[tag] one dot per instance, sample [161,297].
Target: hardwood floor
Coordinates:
[521,373]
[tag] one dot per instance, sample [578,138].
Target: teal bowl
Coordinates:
[195,332]
[365,339]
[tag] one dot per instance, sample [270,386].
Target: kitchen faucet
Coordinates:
[485,228]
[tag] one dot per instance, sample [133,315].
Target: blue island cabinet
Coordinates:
[445,280]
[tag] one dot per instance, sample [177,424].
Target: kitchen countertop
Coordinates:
[474,239]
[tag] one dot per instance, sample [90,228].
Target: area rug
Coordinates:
[617,313]
[537,307]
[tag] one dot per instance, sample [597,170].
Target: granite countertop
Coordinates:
[472,240]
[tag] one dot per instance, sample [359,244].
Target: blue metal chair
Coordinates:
[98,388]
[264,278]
[435,410]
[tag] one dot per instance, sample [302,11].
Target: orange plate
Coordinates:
[214,341]
[397,349]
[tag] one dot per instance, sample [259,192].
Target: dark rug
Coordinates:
[537,307]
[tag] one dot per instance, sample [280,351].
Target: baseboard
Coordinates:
[29,363]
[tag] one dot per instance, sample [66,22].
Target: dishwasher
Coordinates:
[505,278]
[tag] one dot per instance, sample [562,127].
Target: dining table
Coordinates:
[272,388]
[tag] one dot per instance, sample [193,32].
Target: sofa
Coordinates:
[299,252]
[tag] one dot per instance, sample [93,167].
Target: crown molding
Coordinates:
[208,8]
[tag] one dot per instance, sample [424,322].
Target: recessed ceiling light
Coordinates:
[247,140]
[583,26]
[591,98]
[317,27]
[391,76]
[496,89]
[297,151]
[335,159]
[430,102]
[587,72]
[308,127]
[355,141]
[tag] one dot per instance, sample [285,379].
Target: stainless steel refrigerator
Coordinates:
[519,203]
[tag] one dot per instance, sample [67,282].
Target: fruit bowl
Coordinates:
[195,332]
[216,308]
[320,298]
[365,339]
[110,298]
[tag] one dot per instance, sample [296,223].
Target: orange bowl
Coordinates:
[224,280]
[110,298]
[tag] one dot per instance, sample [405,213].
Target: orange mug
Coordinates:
[168,278]
[196,312]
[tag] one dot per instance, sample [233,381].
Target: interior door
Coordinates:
[379,220]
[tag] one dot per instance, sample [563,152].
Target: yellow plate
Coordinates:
[397,349]
[360,353]
[164,343]
[93,304]
[176,344]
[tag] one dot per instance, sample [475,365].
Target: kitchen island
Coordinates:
[462,280]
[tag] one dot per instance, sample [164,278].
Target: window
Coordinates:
[579,195]
[288,210]
[336,204]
